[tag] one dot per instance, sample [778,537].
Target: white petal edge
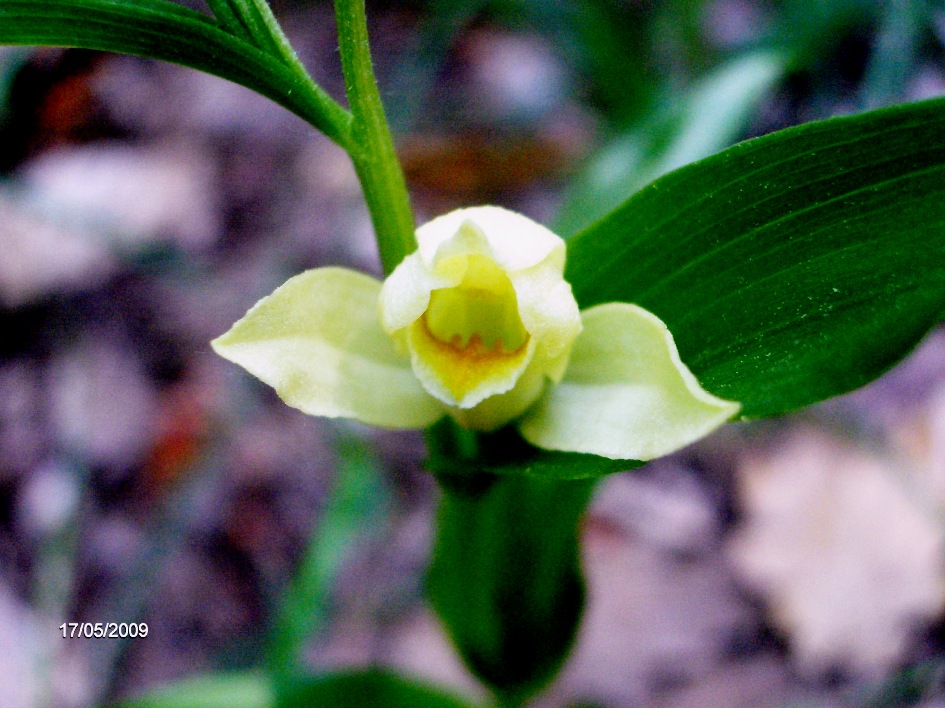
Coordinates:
[626,394]
[405,295]
[547,308]
[516,241]
[318,341]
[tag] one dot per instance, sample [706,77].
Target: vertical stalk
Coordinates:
[374,157]
[506,578]
[356,507]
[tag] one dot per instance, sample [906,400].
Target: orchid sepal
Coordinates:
[478,324]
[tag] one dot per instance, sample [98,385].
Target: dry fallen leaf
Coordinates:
[41,256]
[846,547]
[134,196]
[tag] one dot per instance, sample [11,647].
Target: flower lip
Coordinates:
[466,308]
[483,307]
[463,376]
[470,342]
[473,347]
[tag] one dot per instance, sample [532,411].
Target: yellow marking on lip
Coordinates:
[483,303]
[462,369]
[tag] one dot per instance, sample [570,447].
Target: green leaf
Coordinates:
[252,22]
[236,690]
[505,578]
[789,268]
[159,29]
[709,117]
[350,689]
[228,15]
[370,687]
[358,505]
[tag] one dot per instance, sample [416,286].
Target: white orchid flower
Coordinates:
[478,324]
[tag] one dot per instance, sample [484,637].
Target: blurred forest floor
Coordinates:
[146,207]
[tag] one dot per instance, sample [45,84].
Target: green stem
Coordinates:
[505,577]
[253,21]
[229,19]
[259,30]
[281,42]
[374,157]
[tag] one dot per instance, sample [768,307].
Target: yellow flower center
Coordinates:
[471,338]
[481,312]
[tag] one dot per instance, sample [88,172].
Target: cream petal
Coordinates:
[516,242]
[318,341]
[405,294]
[449,261]
[547,307]
[626,394]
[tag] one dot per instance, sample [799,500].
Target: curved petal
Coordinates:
[406,293]
[626,394]
[547,307]
[516,241]
[318,341]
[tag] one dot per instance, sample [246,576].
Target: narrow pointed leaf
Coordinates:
[367,687]
[218,690]
[789,268]
[226,14]
[159,29]
[505,578]
[711,115]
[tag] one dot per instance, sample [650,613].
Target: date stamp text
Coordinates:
[99,630]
